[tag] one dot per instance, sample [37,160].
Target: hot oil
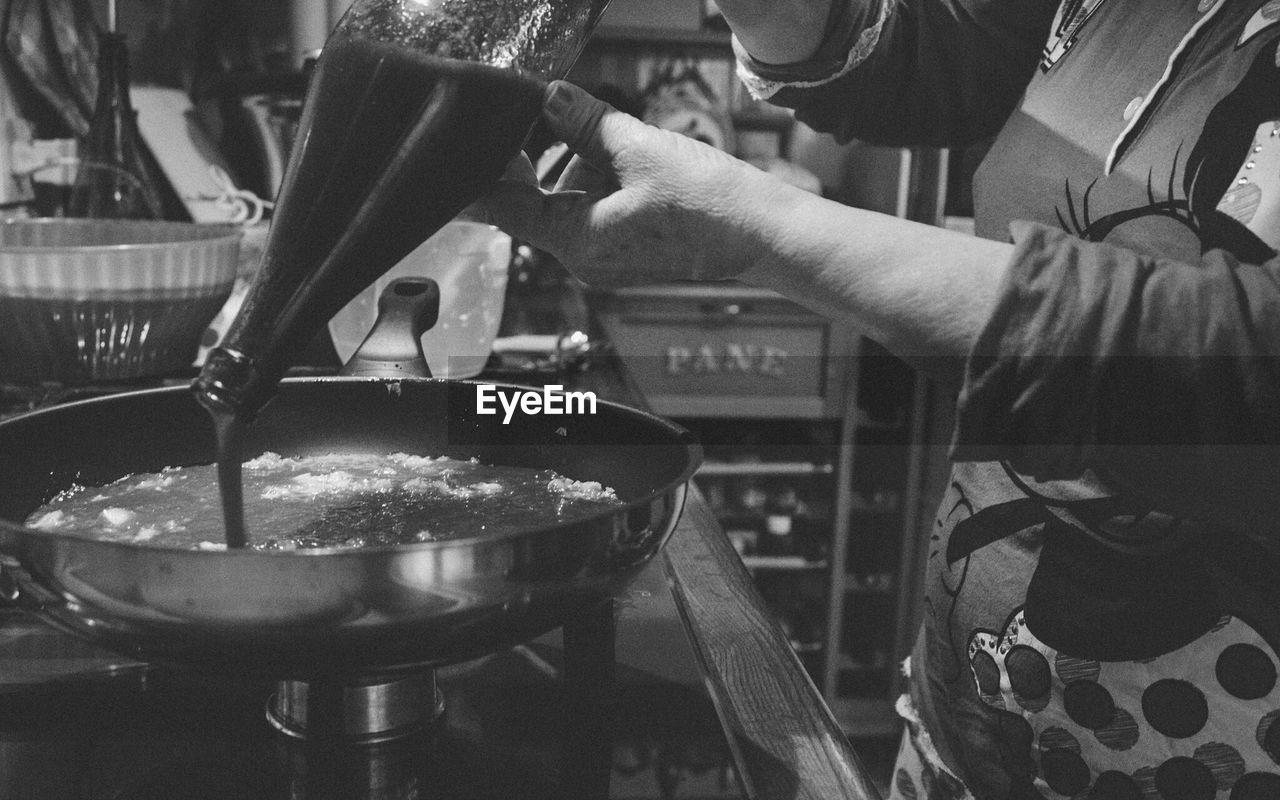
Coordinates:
[341,500]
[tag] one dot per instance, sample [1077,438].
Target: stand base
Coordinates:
[367,712]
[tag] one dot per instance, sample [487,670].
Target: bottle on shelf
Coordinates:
[715,494]
[749,496]
[780,508]
[813,534]
[115,177]
[814,528]
[801,620]
[809,623]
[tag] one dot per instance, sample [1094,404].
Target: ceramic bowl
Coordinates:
[87,300]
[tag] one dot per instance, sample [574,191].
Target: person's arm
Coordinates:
[659,206]
[1163,376]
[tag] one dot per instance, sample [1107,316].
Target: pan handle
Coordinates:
[10,592]
[407,308]
[10,588]
[14,593]
[18,589]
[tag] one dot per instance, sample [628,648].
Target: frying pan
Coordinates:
[332,613]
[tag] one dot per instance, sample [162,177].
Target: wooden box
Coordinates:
[699,350]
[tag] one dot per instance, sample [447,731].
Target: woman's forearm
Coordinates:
[923,292]
[778,31]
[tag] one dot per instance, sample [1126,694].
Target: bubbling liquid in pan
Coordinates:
[336,500]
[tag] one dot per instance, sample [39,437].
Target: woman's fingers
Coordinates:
[635,204]
[551,222]
[593,129]
[520,170]
[581,175]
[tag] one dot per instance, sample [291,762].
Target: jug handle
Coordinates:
[407,308]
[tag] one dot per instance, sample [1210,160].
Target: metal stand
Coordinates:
[366,712]
[588,683]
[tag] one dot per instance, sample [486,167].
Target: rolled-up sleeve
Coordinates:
[1162,375]
[922,72]
[852,33]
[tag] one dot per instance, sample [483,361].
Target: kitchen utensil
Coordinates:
[413,112]
[468,260]
[90,300]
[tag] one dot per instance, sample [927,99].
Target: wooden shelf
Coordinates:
[802,648]
[864,589]
[782,563]
[865,422]
[637,35]
[847,663]
[871,509]
[714,469]
[788,407]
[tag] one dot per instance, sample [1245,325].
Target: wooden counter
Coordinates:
[785,739]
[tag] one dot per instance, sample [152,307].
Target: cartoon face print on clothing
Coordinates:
[1186,725]
[1229,196]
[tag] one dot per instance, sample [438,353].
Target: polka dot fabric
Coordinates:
[1167,728]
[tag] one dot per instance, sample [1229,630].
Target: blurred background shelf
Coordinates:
[781,563]
[716,469]
[866,717]
[613,35]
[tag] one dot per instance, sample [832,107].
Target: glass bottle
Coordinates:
[413,112]
[779,514]
[115,178]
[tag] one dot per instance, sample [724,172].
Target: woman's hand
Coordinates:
[643,205]
[637,204]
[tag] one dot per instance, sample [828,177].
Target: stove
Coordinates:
[613,705]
